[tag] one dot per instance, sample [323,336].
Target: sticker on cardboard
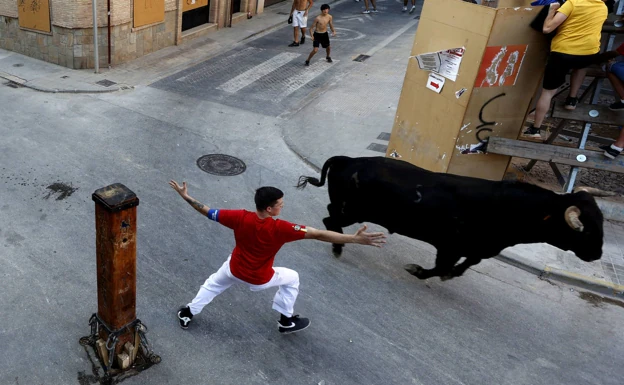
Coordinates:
[445,63]
[500,66]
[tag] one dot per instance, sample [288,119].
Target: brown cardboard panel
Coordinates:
[514,3]
[425,127]
[34,14]
[459,14]
[447,37]
[148,12]
[188,5]
[488,166]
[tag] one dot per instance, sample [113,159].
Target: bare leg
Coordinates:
[543,105]
[617,85]
[303,31]
[620,140]
[296,39]
[576,79]
[314,51]
[366,5]
[374,5]
[328,49]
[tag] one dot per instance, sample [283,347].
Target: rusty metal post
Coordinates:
[115,224]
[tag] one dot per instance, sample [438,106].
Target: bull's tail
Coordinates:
[304,180]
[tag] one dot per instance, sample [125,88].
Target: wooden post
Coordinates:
[115,224]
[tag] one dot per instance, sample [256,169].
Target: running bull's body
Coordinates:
[459,216]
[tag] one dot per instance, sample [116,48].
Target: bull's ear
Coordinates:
[572,214]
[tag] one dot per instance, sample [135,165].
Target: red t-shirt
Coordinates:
[257,242]
[620,49]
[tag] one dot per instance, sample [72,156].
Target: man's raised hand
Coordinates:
[182,190]
[370,239]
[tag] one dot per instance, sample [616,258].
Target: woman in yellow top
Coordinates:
[575,47]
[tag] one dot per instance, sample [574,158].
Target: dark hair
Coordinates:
[266,197]
[324,6]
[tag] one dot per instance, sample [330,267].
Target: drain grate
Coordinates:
[283,13]
[64,77]
[18,65]
[13,85]
[377,147]
[105,83]
[361,58]
[384,136]
[220,164]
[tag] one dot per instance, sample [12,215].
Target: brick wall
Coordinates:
[8,8]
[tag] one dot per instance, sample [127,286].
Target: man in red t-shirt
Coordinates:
[258,238]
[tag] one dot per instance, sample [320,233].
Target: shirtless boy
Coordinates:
[299,15]
[319,34]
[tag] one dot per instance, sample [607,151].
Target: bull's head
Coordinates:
[583,230]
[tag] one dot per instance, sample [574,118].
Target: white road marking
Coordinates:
[392,37]
[255,73]
[307,73]
[217,63]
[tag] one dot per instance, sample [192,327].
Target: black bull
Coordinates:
[460,216]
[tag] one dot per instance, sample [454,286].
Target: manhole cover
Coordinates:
[18,65]
[220,164]
[105,83]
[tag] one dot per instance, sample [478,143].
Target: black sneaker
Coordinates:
[293,44]
[329,60]
[570,103]
[292,324]
[610,152]
[302,40]
[307,63]
[617,106]
[185,317]
[532,132]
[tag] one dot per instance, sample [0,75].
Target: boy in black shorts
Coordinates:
[319,34]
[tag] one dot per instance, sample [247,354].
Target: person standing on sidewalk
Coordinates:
[575,47]
[411,9]
[299,15]
[319,33]
[258,239]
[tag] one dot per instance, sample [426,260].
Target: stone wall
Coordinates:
[70,43]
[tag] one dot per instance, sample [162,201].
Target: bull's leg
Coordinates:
[460,269]
[443,267]
[331,224]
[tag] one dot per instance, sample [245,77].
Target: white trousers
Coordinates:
[217,283]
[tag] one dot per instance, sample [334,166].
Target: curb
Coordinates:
[611,210]
[545,272]
[24,83]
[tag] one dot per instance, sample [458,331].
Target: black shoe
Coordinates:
[570,103]
[292,324]
[610,152]
[185,317]
[617,106]
[307,63]
[329,60]
[532,132]
[293,44]
[302,40]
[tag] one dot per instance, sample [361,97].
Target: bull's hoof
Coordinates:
[415,270]
[337,251]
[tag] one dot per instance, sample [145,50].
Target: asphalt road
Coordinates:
[372,323]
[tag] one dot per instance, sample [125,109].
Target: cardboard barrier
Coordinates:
[490,63]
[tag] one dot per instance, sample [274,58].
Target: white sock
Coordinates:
[613,146]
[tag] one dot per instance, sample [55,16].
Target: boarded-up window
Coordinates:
[34,14]
[148,12]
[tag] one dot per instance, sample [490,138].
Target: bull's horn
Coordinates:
[572,218]
[595,191]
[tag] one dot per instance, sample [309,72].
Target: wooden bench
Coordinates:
[581,114]
[554,154]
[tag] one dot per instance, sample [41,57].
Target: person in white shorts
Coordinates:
[299,15]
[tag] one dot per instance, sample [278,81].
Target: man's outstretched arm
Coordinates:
[360,236]
[182,190]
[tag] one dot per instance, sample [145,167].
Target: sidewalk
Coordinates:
[355,118]
[46,77]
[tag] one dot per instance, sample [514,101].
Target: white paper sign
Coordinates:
[435,82]
[445,63]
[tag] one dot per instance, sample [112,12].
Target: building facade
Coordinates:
[61,31]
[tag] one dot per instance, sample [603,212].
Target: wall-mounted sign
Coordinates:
[148,12]
[34,14]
